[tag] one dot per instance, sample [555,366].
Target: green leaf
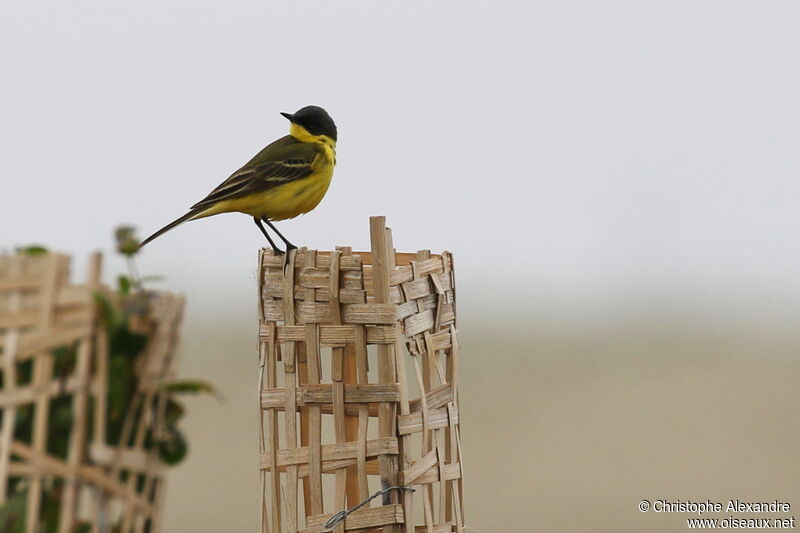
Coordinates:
[127,243]
[190,386]
[105,308]
[128,247]
[123,232]
[172,449]
[173,412]
[124,285]
[12,513]
[32,250]
[51,508]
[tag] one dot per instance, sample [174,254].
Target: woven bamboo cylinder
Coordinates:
[359,390]
[119,487]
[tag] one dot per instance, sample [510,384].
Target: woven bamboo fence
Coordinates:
[340,334]
[105,488]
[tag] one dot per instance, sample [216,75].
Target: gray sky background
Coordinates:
[583,147]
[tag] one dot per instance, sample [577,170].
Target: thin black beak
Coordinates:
[289,116]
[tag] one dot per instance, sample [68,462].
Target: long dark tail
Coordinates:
[184,218]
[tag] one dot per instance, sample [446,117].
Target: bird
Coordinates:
[286,179]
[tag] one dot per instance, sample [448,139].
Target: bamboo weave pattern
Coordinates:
[359,370]
[107,487]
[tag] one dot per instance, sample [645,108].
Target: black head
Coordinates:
[315,119]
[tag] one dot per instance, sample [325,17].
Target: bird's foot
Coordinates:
[289,248]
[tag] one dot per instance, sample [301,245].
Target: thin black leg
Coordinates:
[264,231]
[289,246]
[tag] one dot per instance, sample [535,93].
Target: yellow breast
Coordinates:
[287,200]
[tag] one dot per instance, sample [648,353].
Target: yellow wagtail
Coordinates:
[287,178]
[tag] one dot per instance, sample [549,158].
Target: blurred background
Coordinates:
[617,181]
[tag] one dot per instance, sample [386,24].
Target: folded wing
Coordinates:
[283,161]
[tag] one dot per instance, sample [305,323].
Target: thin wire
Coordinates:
[341,515]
